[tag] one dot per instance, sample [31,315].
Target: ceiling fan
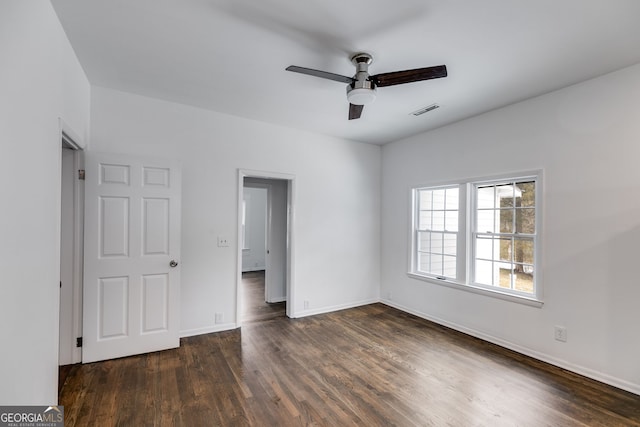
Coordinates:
[361,88]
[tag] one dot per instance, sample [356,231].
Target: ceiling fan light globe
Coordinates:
[361,96]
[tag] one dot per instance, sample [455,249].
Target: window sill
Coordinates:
[530,301]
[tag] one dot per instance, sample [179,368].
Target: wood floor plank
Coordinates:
[367,366]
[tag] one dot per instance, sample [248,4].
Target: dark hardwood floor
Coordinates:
[255,309]
[63,372]
[368,366]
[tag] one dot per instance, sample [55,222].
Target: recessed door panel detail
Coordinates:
[114,174]
[155,177]
[155,297]
[155,227]
[114,227]
[113,307]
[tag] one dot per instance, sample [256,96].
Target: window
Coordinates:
[489,244]
[504,235]
[437,231]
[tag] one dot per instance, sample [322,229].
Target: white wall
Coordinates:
[40,81]
[255,236]
[587,140]
[337,200]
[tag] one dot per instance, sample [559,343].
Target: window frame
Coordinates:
[466,251]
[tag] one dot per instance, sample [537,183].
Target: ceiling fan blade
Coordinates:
[355,111]
[409,76]
[321,74]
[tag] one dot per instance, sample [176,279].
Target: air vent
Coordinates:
[425,109]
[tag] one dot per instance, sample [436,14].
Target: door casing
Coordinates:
[290,241]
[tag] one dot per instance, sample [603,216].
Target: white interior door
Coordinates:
[132,241]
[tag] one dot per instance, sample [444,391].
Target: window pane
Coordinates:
[484,272]
[484,247]
[528,193]
[424,262]
[424,241]
[436,265]
[524,282]
[449,246]
[436,243]
[437,218]
[451,220]
[485,197]
[505,220]
[505,195]
[449,269]
[505,250]
[526,221]
[438,199]
[485,221]
[452,198]
[425,199]
[505,278]
[523,251]
[424,222]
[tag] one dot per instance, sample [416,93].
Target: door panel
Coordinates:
[155,226]
[113,225]
[113,306]
[132,232]
[155,288]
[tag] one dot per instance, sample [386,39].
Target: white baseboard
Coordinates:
[207,330]
[277,299]
[322,310]
[581,370]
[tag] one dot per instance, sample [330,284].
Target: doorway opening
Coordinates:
[264,285]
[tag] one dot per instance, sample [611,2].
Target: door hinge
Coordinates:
[79,342]
[81,174]
[61,283]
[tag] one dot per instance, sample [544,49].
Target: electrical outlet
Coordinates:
[560,333]
[306,305]
[223,242]
[219,318]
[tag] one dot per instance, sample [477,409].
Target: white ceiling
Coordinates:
[230,55]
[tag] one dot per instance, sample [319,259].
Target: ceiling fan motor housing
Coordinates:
[362,91]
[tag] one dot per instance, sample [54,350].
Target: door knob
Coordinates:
[173,263]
